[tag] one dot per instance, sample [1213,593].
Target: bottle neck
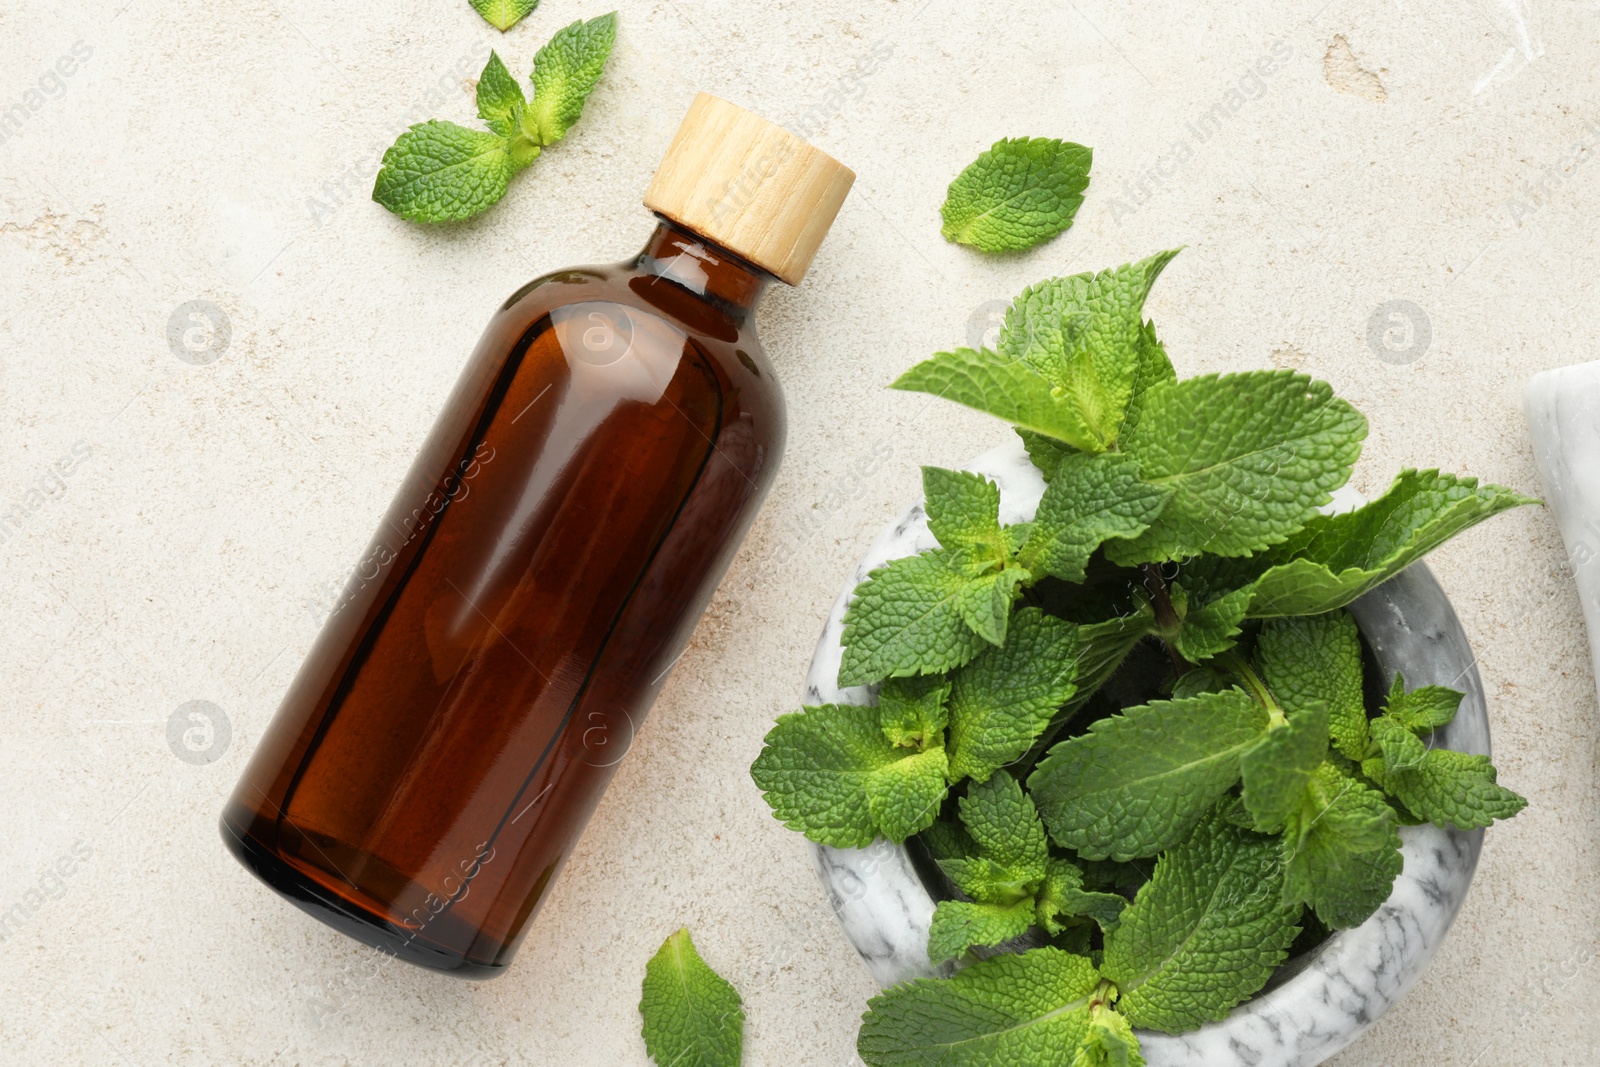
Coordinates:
[711,272]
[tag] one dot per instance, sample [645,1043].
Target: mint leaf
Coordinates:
[985,602]
[1136,783]
[1336,558]
[988,881]
[1083,335]
[1002,821]
[503,14]
[1399,747]
[1453,789]
[1002,701]
[564,74]
[1109,1042]
[1032,1008]
[908,618]
[1317,660]
[1249,458]
[1202,680]
[903,796]
[829,773]
[1276,771]
[1063,896]
[959,925]
[1090,500]
[1341,853]
[1208,629]
[1425,708]
[1204,933]
[911,711]
[692,1016]
[500,100]
[964,514]
[441,172]
[1018,194]
[999,386]
[1046,453]
[1154,368]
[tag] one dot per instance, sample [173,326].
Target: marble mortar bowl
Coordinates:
[1318,1002]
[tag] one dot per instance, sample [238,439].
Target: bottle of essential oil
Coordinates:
[567,521]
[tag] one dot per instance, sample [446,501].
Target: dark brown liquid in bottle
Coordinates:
[544,563]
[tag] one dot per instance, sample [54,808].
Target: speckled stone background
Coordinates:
[1397,197]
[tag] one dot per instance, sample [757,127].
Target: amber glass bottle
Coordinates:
[548,555]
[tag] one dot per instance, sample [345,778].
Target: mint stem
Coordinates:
[1236,665]
[1167,620]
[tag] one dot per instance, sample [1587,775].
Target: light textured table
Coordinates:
[1412,160]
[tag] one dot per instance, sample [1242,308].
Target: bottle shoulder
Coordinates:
[626,304]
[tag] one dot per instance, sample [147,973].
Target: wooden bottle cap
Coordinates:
[750,186]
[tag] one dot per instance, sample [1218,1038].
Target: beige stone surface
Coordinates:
[1410,151]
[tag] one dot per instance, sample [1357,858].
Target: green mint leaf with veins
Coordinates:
[503,14]
[1276,771]
[1003,387]
[911,711]
[1083,335]
[1137,783]
[1341,851]
[1205,932]
[1452,789]
[1109,1042]
[1398,748]
[1208,629]
[1005,826]
[564,74]
[692,1016]
[1425,708]
[500,99]
[1033,1008]
[958,925]
[987,881]
[1090,500]
[831,774]
[909,616]
[985,602]
[1154,368]
[1063,896]
[441,172]
[1249,457]
[1020,193]
[1336,558]
[964,514]
[1002,701]
[1317,660]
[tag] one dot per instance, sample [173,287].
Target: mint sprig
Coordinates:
[441,172]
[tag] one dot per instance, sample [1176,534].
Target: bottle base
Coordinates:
[348,918]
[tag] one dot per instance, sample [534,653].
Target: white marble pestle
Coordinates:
[1564,421]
